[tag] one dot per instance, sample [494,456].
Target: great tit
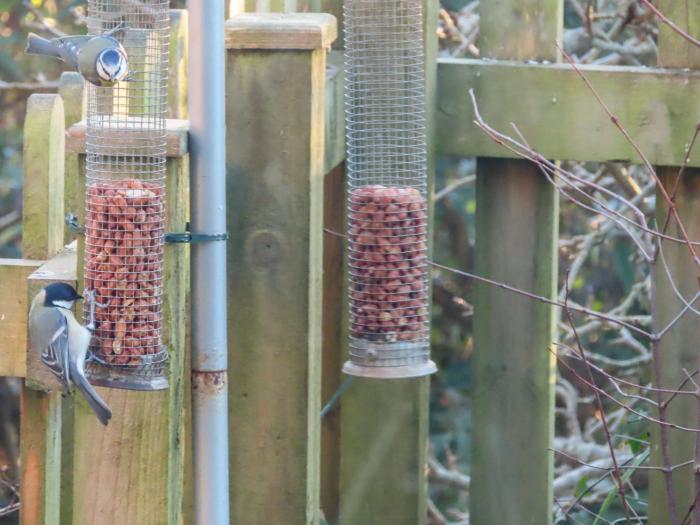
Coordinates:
[64,342]
[101,60]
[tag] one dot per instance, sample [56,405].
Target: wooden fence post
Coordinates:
[72,91]
[679,347]
[275,84]
[40,412]
[516,243]
[133,468]
[384,423]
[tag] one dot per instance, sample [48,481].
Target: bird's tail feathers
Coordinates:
[37,45]
[98,406]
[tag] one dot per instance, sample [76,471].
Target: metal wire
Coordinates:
[387,182]
[125,197]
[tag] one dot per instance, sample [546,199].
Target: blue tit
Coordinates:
[64,342]
[101,60]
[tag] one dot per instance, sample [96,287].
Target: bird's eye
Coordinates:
[110,58]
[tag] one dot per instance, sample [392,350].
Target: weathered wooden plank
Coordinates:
[40,412]
[13,315]
[334,337]
[175,135]
[558,116]
[177,72]
[516,231]
[678,348]
[383,454]
[513,369]
[280,31]
[40,457]
[520,30]
[674,51]
[384,423]
[72,91]
[177,307]
[275,188]
[334,113]
[42,212]
[176,315]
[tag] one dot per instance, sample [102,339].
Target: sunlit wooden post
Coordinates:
[275,157]
[40,412]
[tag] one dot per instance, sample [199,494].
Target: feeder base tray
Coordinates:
[124,378]
[390,372]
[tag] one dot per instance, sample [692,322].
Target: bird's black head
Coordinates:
[60,295]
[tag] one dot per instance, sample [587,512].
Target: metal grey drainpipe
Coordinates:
[208,217]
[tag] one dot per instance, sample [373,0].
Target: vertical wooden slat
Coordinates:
[334,337]
[516,239]
[384,423]
[40,412]
[134,467]
[177,307]
[275,186]
[678,348]
[72,91]
[44,145]
[177,64]
[40,457]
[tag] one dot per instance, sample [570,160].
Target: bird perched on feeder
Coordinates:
[64,342]
[101,60]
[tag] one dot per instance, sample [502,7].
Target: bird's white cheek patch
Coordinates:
[64,304]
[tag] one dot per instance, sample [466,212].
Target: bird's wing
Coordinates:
[50,335]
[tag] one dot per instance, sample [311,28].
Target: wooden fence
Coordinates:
[365,462]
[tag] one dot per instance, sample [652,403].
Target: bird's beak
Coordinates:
[78,296]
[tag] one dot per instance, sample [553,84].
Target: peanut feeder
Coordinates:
[125,201]
[387,189]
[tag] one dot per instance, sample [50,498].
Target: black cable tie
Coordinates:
[170,237]
[189,238]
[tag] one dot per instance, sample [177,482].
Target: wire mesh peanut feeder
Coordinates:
[387,189]
[125,200]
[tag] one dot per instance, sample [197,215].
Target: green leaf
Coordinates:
[581,487]
[639,443]
[626,475]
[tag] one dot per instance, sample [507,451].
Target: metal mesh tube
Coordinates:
[387,185]
[125,198]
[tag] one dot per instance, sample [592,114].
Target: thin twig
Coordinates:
[603,417]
